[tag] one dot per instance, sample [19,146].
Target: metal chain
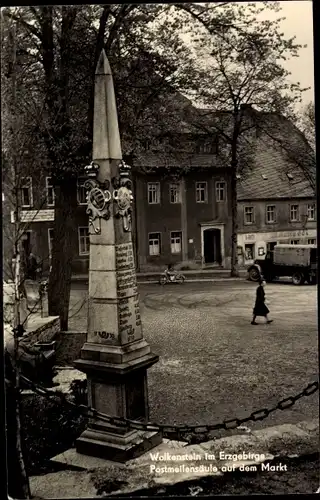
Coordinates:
[175,430]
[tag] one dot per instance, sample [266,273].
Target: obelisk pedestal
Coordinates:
[115,356]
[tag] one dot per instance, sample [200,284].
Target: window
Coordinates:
[154,243]
[81,191]
[271,213]
[294,213]
[311,211]
[153,193]
[49,192]
[84,240]
[50,241]
[201,192]
[294,242]
[207,145]
[175,240]
[311,241]
[249,251]
[248,215]
[174,191]
[221,191]
[26,192]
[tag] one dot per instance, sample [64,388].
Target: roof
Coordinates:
[170,160]
[282,162]
[275,167]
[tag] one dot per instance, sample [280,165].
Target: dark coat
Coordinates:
[260,309]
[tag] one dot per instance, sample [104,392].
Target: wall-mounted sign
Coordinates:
[292,234]
[250,237]
[35,215]
[276,235]
[190,241]
[261,251]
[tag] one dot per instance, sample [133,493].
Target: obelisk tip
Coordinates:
[103,66]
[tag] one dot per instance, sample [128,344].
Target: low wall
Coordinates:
[42,329]
[68,347]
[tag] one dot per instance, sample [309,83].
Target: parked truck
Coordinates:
[296,261]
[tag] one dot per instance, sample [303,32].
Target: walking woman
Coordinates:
[260,308]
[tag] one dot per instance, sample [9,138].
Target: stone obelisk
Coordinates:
[115,356]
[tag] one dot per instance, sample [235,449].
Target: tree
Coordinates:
[18,484]
[62,86]
[307,124]
[243,69]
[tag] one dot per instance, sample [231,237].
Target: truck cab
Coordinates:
[296,261]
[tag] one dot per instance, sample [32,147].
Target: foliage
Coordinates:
[79,392]
[307,124]
[60,426]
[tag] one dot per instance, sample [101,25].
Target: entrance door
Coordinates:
[26,242]
[212,246]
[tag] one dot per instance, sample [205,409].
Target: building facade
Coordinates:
[264,223]
[276,204]
[185,221]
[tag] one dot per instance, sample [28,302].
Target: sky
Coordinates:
[299,23]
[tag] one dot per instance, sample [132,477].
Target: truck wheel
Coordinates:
[297,278]
[254,274]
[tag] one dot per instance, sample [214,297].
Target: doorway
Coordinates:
[212,246]
[26,243]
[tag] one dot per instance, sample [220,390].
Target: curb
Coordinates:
[193,280]
[233,453]
[188,280]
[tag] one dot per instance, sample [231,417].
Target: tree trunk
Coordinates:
[63,251]
[234,214]
[18,481]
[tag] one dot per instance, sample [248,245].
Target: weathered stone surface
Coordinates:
[64,484]
[137,475]
[42,329]
[286,439]
[309,426]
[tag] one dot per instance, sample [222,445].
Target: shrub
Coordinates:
[49,427]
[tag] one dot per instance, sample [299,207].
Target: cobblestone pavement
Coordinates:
[214,364]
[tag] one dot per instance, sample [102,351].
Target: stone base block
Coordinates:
[114,447]
[117,369]
[114,353]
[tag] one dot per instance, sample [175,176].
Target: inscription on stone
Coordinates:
[124,256]
[129,319]
[126,275]
[105,335]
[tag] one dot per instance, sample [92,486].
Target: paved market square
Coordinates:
[214,365]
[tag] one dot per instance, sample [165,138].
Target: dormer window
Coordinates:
[264,177]
[290,176]
[208,145]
